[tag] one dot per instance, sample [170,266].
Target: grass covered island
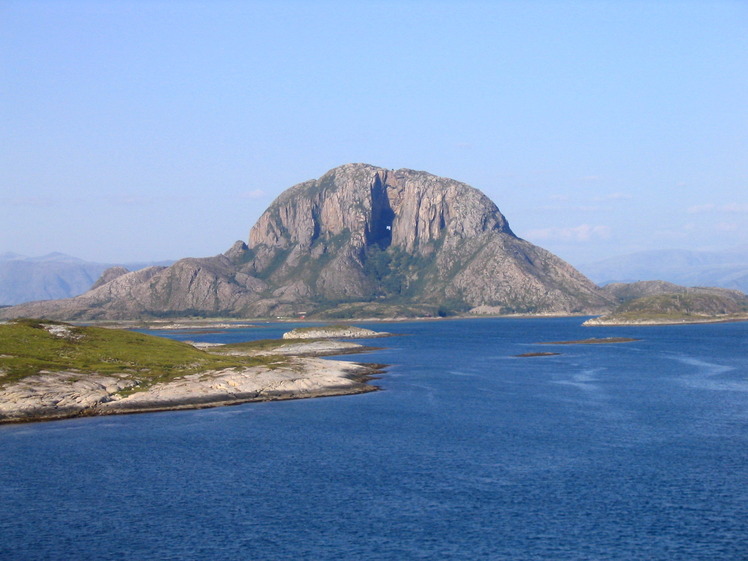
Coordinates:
[54,370]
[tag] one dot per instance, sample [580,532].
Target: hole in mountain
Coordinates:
[316,224]
[382,216]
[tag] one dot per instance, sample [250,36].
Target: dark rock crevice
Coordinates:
[382,216]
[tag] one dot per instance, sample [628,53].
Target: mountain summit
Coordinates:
[359,241]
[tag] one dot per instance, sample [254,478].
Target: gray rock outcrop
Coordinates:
[58,395]
[333,332]
[109,275]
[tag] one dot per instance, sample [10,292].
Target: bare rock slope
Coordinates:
[58,395]
[358,240]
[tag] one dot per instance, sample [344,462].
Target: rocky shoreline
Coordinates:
[612,320]
[60,395]
[333,331]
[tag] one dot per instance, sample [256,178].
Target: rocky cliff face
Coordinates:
[404,208]
[360,239]
[109,275]
[361,232]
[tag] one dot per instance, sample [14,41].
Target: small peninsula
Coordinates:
[689,305]
[54,370]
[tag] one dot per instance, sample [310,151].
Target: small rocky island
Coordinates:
[334,332]
[54,370]
[592,341]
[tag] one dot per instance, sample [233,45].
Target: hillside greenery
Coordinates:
[29,346]
[690,303]
[696,304]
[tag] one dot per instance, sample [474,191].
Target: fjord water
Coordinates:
[606,452]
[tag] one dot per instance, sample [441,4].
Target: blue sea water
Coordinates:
[632,451]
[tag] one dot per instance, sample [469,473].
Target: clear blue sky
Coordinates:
[144,130]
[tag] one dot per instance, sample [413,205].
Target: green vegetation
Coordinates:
[670,317]
[255,346]
[397,273]
[28,346]
[698,302]
[388,268]
[380,310]
[279,257]
[401,279]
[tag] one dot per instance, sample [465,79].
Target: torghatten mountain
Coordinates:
[359,241]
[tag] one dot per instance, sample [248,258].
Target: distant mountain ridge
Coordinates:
[55,256]
[725,269]
[358,241]
[49,277]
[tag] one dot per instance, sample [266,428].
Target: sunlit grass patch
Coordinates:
[28,347]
